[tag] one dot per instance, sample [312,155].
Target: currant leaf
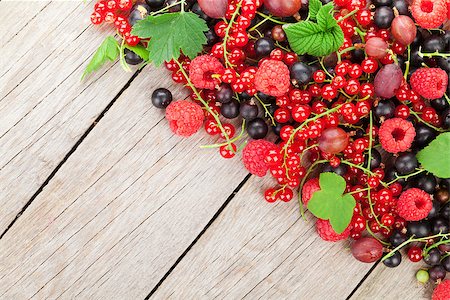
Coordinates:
[314,7]
[171,33]
[139,50]
[435,158]
[317,39]
[329,203]
[108,50]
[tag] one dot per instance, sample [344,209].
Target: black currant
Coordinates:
[211,37]
[406,163]
[401,6]
[341,170]
[379,3]
[445,211]
[433,257]
[132,58]
[446,263]
[155,3]
[439,225]
[434,212]
[138,12]
[161,98]
[424,135]
[196,9]
[249,110]
[440,104]
[264,46]
[397,238]
[437,273]
[224,93]
[393,261]
[446,119]
[230,110]
[383,17]
[376,160]
[257,129]
[419,229]
[433,43]
[426,182]
[301,73]
[385,108]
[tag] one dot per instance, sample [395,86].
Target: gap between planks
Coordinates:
[72,150]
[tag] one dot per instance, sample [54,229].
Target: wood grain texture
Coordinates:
[393,284]
[44,107]
[258,250]
[120,211]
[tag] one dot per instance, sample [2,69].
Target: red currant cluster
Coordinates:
[115,12]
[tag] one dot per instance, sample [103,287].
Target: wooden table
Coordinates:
[100,201]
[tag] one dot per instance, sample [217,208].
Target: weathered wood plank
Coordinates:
[392,284]
[120,211]
[44,107]
[258,250]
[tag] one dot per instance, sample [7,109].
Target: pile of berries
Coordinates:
[363,112]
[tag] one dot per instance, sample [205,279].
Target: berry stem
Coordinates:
[361,34]
[447,98]
[267,112]
[227,35]
[435,245]
[407,63]
[348,15]
[339,53]
[122,61]
[237,138]
[205,104]
[424,122]
[323,67]
[328,112]
[270,18]
[374,236]
[412,240]
[166,8]
[405,176]
[434,54]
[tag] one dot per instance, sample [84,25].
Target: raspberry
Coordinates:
[185,118]
[442,291]
[430,83]
[327,233]
[202,69]
[308,190]
[448,9]
[253,156]
[429,14]
[273,78]
[396,135]
[414,205]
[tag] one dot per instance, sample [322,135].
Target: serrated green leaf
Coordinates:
[325,19]
[317,39]
[314,7]
[329,203]
[139,50]
[108,50]
[171,33]
[435,158]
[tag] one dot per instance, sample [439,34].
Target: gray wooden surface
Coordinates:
[98,200]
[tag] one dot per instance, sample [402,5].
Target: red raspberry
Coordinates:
[414,204]
[273,78]
[253,156]
[396,135]
[448,9]
[202,69]
[327,233]
[429,14]
[185,118]
[442,291]
[308,190]
[430,83]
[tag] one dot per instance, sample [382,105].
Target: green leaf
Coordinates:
[139,50]
[317,39]
[108,50]
[435,158]
[171,33]
[329,203]
[314,7]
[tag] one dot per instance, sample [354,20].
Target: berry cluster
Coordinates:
[362,112]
